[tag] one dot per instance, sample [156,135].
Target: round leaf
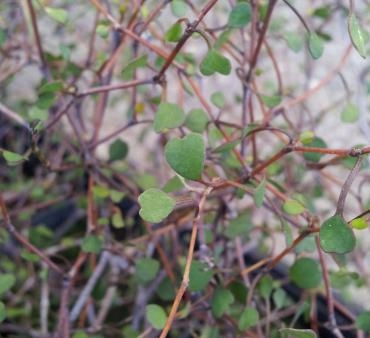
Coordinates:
[306,136]
[336,236]
[58,14]
[196,120]
[315,45]
[349,113]
[240,15]
[363,321]
[317,142]
[359,223]
[155,205]
[156,316]
[146,269]
[186,156]
[168,116]
[118,150]
[92,244]
[200,276]
[248,318]
[306,273]
[218,99]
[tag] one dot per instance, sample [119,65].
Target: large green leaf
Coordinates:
[336,236]
[186,156]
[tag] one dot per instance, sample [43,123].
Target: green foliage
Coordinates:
[221,302]
[315,45]
[118,150]
[139,62]
[218,99]
[350,113]
[259,193]
[197,120]
[2,312]
[146,269]
[200,275]
[293,207]
[7,281]
[168,116]
[156,316]
[357,35]
[155,205]
[359,223]
[306,273]
[240,15]
[317,142]
[214,62]
[92,244]
[336,236]
[248,319]
[363,321]
[60,15]
[239,226]
[174,33]
[186,156]
[297,333]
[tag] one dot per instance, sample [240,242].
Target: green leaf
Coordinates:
[350,113]
[50,87]
[306,137]
[200,276]
[165,290]
[36,113]
[155,205]
[293,207]
[174,33]
[2,312]
[174,184]
[215,62]
[146,269]
[248,318]
[297,333]
[7,280]
[179,8]
[58,14]
[118,150]
[280,297]
[265,286]
[134,64]
[363,321]
[168,116]
[218,99]
[317,142]
[336,236]
[294,41]
[156,316]
[259,193]
[103,30]
[239,226]
[240,15]
[80,334]
[271,101]
[186,156]
[117,220]
[306,273]
[221,301]
[356,34]
[197,120]
[92,244]
[315,45]
[359,223]
[13,158]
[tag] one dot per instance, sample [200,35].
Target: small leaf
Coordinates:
[174,184]
[174,33]
[221,301]
[215,62]
[259,193]
[271,101]
[168,116]
[248,319]
[357,35]
[186,156]
[297,333]
[359,223]
[240,15]
[306,273]
[58,14]
[12,158]
[200,276]
[315,45]
[156,316]
[103,30]
[363,321]
[146,269]
[50,87]
[239,226]
[179,8]
[134,64]
[155,205]
[7,280]
[265,286]
[197,120]
[117,220]
[293,207]
[294,41]
[218,99]
[280,297]
[92,244]
[317,142]
[2,312]
[306,137]
[336,236]
[118,150]
[350,113]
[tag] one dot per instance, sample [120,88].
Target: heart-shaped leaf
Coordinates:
[168,116]
[336,236]
[357,35]
[155,205]
[186,156]
[215,62]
